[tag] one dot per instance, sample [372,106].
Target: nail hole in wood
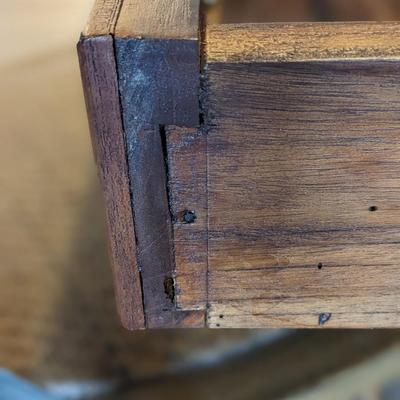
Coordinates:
[320,265]
[189,217]
[169,288]
[324,318]
[221,316]
[373,208]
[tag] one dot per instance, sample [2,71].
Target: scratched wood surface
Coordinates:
[303,166]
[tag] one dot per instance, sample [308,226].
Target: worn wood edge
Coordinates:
[252,43]
[99,78]
[158,19]
[103,18]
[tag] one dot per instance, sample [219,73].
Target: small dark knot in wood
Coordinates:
[169,288]
[373,208]
[324,318]
[189,217]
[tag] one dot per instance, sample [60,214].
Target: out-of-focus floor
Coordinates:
[57,317]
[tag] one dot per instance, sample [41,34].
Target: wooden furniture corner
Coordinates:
[250,171]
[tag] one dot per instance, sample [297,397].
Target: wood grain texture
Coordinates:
[187,168]
[101,91]
[103,18]
[303,190]
[302,42]
[159,19]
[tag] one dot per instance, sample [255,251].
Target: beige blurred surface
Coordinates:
[34,27]
[375,379]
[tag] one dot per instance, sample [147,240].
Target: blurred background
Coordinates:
[58,325]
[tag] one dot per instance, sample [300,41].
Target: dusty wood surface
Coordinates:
[99,77]
[159,19]
[302,42]
[303,187]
